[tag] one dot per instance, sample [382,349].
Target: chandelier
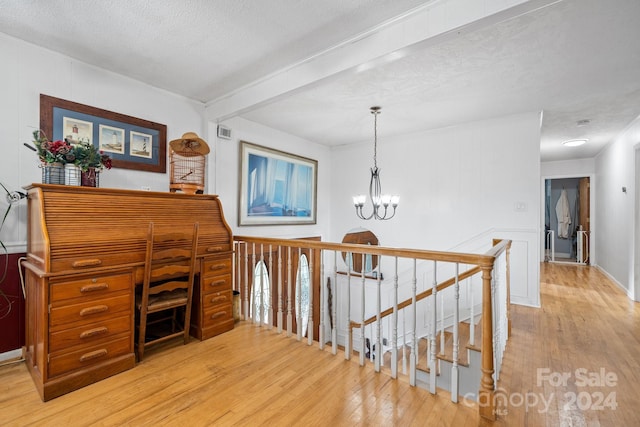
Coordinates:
[378,200]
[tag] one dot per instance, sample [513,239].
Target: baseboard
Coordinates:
[16,354]
[613,279]
[524,303]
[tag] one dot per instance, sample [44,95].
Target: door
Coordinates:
[584,217]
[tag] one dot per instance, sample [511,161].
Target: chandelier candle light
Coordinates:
[378,200]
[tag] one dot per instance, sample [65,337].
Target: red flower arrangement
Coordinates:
[84,155]
[51,152]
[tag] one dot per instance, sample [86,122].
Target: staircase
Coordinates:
[469,359]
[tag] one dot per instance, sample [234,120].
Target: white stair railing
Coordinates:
[390,312]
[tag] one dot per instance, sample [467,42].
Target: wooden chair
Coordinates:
[169,271]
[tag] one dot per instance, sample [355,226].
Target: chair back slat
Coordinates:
[170,265]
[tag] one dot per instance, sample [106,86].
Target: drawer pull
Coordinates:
[215,267]
[214,248]
[219,298]
[218,314]
[93,310]
[95,287]
[86,263]
[218,283]
[93,355]
[93,332]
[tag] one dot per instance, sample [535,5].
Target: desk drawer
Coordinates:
[89,334]
[90,287]
[88,312]
[216,298]
[216,266]
[216,284]
[88,356]
[217,314]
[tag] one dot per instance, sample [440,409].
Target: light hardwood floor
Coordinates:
[252,376]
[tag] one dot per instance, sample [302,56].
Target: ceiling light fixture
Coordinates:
[378,200]
[574,142]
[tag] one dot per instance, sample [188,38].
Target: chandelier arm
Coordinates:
[361,215]
[385,214]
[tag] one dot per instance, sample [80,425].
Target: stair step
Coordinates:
[477,337]
[464,330]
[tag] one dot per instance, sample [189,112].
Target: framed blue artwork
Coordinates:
[276,188]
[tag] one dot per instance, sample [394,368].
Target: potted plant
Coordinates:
[53,156]
[91,161]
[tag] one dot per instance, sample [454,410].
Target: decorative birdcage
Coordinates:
[188,162]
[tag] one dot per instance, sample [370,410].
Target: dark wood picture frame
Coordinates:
[51,125]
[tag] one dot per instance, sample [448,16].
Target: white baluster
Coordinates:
[254,308]
[348,345]
[378,346]
[472,314]
[262,311]
[412,355]
[246,282]
[442,324]
[434,317]
[456,338]
[394,324]
[235,268]
[333,308]
[404,342]
[362,304]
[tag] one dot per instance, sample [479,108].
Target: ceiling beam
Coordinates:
[431,23]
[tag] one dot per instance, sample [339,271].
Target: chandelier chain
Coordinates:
[375,138]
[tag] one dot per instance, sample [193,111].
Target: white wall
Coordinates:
[224,176]
[568,168]
[454,184]
[616,210]
[27,71]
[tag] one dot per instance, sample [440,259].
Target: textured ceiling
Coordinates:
[573,60]
[199,48]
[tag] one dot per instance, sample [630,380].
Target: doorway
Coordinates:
[567,220]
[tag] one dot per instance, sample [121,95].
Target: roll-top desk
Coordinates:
[85,254]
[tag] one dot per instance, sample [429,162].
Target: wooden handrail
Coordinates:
[442,256]
[422,295]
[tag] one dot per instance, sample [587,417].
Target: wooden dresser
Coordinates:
[85,254]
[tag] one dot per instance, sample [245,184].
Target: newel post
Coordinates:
[486,401]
